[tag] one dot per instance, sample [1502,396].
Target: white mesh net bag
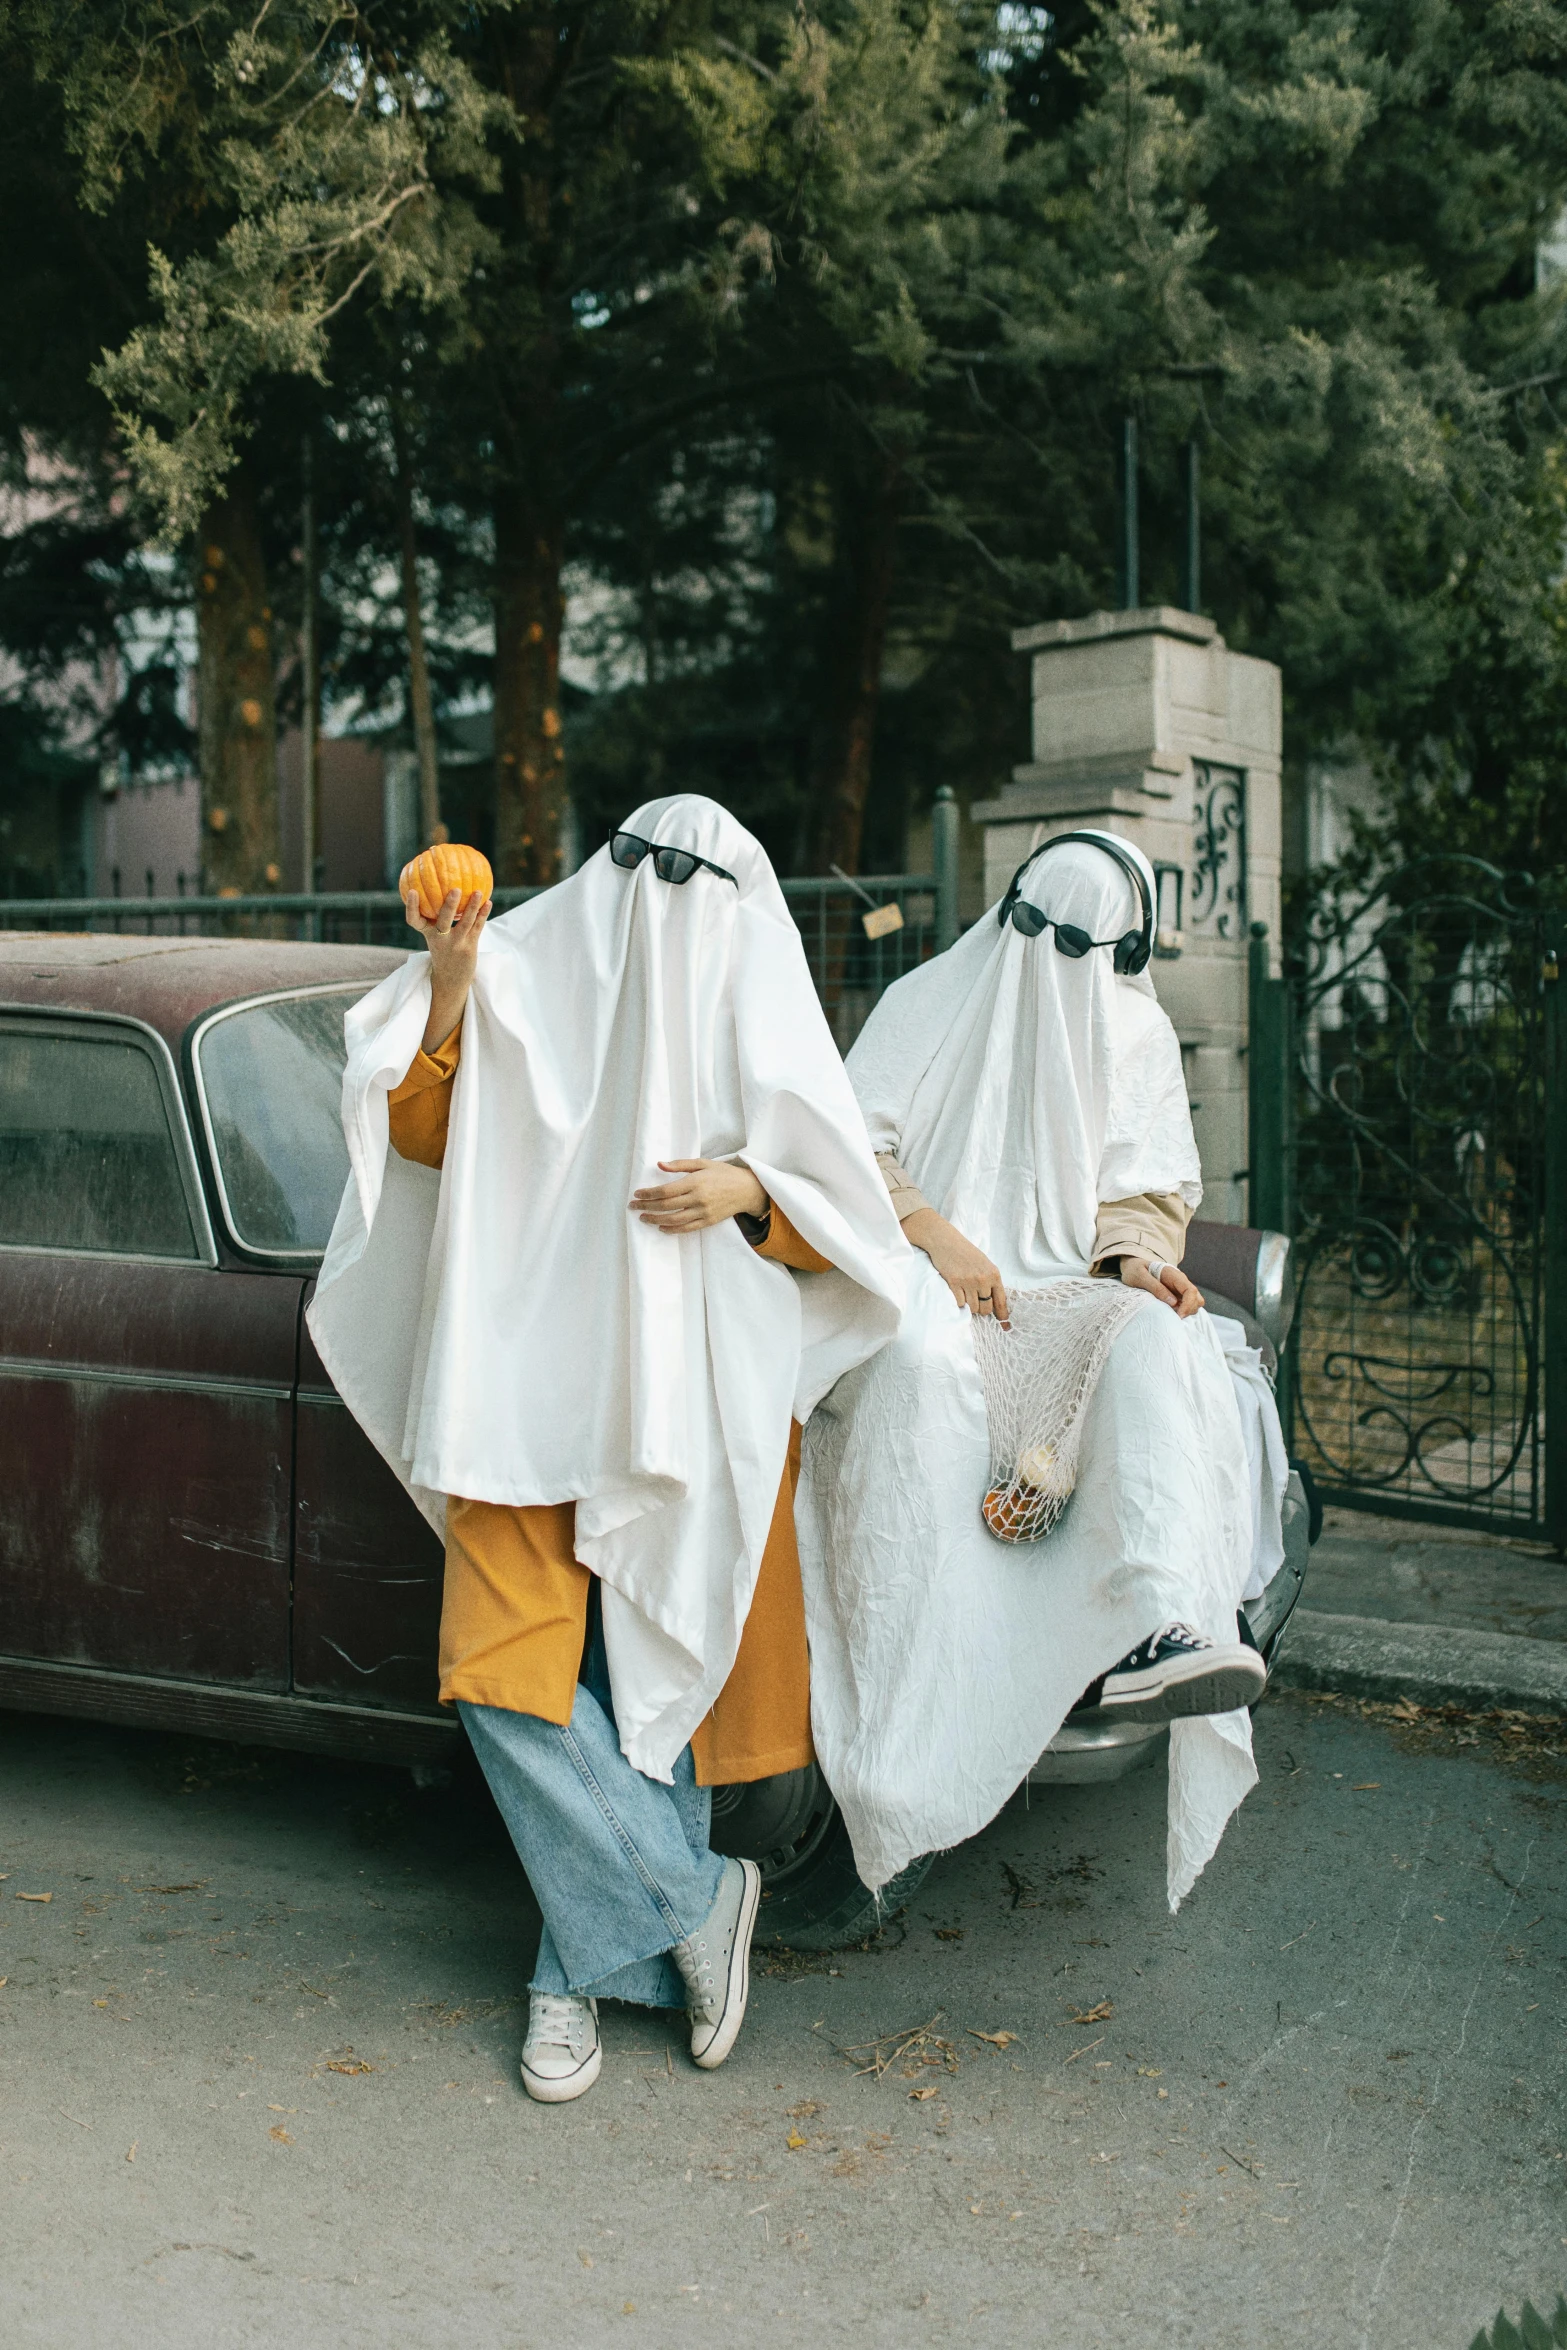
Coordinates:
[1039,1378]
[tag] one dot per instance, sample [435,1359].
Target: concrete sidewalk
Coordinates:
[1432,1614]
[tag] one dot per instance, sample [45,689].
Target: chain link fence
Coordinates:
[859,935]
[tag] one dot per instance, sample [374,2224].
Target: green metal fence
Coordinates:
[850,964]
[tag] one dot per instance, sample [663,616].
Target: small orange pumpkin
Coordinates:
[446,867]
[1029,1506]
[1014,1513]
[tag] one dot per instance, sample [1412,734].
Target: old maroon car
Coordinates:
[196,1535]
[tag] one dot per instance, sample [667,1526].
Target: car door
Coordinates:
[146,1393]
[267,1075]
[367,1606]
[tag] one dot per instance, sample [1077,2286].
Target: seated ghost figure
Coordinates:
[1024,1094]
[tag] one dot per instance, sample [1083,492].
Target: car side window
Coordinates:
[87,1158]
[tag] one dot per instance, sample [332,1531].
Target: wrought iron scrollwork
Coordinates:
[1218,895]
[1419,1172]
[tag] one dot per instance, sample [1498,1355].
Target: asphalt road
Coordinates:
[258,2073]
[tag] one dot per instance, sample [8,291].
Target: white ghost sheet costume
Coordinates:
[509,1331]
[1020,1089]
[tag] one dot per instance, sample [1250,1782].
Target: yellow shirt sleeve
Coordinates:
[420,1108]
[785,1247]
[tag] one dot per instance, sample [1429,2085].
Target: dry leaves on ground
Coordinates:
[1513,1736]
[924,2045]
[277,2131]
[1100,2014]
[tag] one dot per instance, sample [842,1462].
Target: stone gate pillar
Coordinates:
[1146,724]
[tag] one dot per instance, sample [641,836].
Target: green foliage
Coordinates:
[301,153]
[1532,2332]
[1371,278]
[804,335]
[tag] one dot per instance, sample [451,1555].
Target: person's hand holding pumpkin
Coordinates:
[453,942]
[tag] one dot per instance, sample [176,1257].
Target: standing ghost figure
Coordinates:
[612,1227]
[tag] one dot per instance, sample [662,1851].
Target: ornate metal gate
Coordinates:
[1415,1154]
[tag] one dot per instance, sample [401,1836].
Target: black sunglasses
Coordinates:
[677,865]
[1070,940]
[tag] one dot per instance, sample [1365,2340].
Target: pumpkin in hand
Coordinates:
[447,866]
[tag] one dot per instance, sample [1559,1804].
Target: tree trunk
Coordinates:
[236,710]
[537,46]
[841,764]
[421,708]
[310,676]
[530,762]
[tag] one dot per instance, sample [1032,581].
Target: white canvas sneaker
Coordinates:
[1178,1672]
[715,1963]
[561,2055]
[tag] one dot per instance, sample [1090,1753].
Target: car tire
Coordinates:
[812,1896]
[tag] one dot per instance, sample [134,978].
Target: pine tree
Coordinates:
[275,164]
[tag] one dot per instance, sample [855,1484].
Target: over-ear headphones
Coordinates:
[1134,949]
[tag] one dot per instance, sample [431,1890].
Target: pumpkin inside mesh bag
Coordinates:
[1039,1378]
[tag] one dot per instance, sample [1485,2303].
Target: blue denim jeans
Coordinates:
[619,1864]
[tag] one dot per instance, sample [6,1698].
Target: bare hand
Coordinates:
[1171,1289]
[966,1270]
[710,1192]
[453,940]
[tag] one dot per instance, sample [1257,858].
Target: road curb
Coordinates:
[1432,1664]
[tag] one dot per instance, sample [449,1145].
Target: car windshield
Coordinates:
[271,1077]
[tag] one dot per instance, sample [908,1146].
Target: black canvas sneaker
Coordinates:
[1176,1671]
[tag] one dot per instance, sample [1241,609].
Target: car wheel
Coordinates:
[812,1897]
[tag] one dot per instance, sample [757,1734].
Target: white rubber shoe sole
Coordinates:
[559,2088]
[1214,1681]
[737,1988]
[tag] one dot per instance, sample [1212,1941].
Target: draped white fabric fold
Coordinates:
[1019,1088]
[509,1331]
